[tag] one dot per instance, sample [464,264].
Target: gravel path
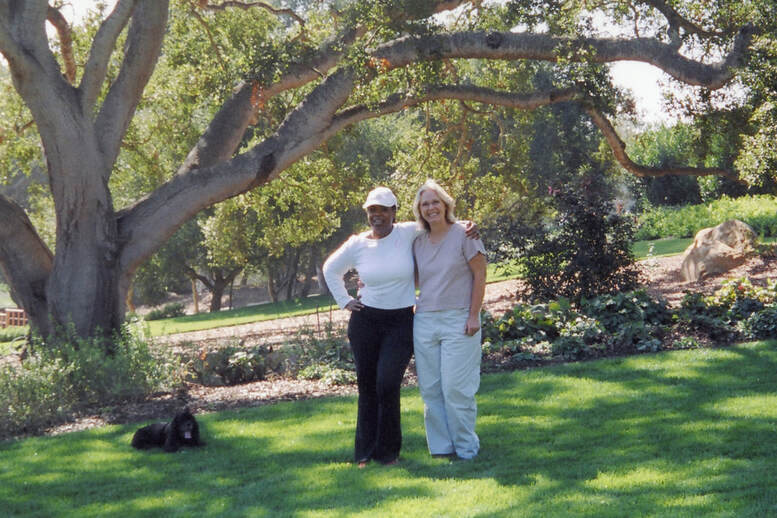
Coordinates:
[499,296]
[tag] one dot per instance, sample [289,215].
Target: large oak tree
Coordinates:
[82,112]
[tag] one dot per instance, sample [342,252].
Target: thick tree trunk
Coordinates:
[219,284]
[291,275]
[217,293]
[83,289]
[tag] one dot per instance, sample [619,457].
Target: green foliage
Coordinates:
[633,319]
[8,334]
[310,355]
[324,354]
[666,147]
[630,322]
[729,310]
[328,374]
[758,211]
[172,310]
[579,338]
[586,251]
[66,375]
[761,324]
[230,365]
[699,314]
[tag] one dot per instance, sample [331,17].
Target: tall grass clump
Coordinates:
[759,211]
[64,376]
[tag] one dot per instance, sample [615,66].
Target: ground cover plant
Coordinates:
[629,322]
[680,434]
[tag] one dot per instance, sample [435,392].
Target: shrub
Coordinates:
[579,338]
[33,396]
[633,319]
[329,349]
[587,253]
[613,310]
[66,374]
[686,342]
[761,324]
[174,309]
[10,334]
[230,365]
[701,314]
[328,374]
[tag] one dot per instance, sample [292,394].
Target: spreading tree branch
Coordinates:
[619,152]
[226,130]
[25,259]
[56,19]
[250,5]
[100,52]
[676,20]
[545,47]
[144,43]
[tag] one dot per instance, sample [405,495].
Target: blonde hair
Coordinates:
[447,200]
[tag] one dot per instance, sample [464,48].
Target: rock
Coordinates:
[717,250]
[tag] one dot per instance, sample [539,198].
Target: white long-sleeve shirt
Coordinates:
[385,267]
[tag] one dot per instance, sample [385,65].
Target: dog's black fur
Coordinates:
[183,430]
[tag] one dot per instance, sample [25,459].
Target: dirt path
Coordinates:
[499,296]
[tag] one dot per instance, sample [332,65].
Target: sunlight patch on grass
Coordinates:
[762,406]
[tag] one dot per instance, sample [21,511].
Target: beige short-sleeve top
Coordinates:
[444,277]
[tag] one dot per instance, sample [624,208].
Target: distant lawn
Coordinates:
[244,315]
[681,434]
[661,247]
[671,246]
[5,298]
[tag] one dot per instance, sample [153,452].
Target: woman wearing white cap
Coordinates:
[380,329]
[446,329]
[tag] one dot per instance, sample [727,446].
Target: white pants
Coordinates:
[448,366]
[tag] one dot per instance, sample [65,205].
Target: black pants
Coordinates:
[382,343]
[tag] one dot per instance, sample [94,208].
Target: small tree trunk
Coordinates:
[195,297]
[292,269]
[271,286]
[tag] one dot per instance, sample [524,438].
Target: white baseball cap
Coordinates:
[380,196]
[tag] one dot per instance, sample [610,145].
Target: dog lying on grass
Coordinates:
[183,430]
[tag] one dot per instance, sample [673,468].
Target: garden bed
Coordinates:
[662,275]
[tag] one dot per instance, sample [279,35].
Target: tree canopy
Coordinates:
[295,79]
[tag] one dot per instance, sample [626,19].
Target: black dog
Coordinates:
[181,431]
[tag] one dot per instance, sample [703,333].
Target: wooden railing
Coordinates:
[12,317]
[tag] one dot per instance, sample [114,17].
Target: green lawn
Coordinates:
[661,247]
[256,313]
[681,434]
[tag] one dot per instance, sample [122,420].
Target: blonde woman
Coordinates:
[451,272]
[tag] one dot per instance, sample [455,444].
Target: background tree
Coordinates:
[378,58]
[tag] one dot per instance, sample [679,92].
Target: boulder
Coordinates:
[717,250]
